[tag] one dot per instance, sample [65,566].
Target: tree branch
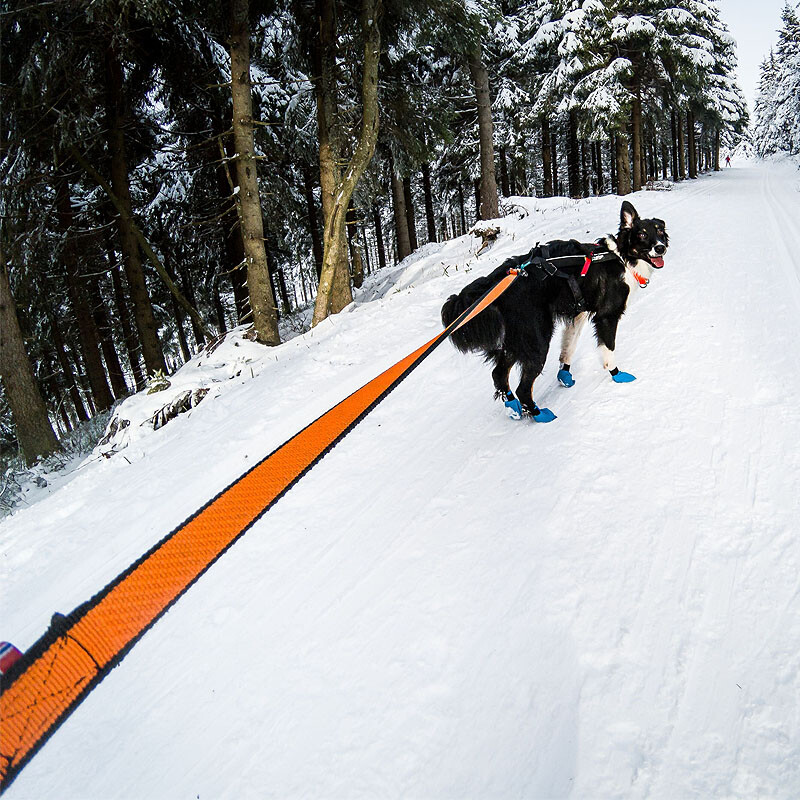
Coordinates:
[143,243]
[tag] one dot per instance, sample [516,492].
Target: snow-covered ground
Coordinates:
[452,604]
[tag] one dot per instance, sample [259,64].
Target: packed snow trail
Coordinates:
[452,604]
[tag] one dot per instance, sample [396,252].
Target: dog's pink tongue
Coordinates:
[658,262]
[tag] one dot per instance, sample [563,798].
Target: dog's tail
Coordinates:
[485,332]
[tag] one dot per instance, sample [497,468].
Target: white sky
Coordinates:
[754,24]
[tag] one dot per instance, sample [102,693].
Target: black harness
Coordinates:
[542,265]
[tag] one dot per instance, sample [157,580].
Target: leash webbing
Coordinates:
[78,650]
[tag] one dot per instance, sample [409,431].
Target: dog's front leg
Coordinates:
[606,330]
[569,341]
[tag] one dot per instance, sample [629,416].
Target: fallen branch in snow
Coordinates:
[658,186]
[486,235]
[179,405]
[508,208]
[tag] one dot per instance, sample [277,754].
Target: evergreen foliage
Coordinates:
[776,127]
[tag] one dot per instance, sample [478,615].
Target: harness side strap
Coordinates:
[78,650]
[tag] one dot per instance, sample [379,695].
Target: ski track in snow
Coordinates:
[453,605]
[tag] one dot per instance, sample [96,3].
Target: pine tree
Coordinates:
[33,428]
[776,126]
[262,300]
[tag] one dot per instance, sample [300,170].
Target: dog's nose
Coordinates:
[660,249]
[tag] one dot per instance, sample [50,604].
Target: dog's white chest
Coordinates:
[640,271]
[633,285]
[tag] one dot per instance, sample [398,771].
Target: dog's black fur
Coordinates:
[518,326]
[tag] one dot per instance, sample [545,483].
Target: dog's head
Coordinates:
[641,239]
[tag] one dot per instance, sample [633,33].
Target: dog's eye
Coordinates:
[643,235]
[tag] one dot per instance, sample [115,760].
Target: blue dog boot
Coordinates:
[621,377]
[542,414]
[565,376]
[513,406]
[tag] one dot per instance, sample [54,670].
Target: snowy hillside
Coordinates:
[452,604]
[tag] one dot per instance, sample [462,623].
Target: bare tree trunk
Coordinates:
[216,301]
[554,158]
[573,155]
[691,143]
[716,150]
[272,267]
[426,190]
[77,290]
[102,322]
[400,217]
[366,250]
[598,166]
[128,333]
[327,301]
[262,301]
[623,164]
[376,221]
[59,397]
[281,278]
[80,374]
[182,342]
[235,248]
[584,171]
[522,178]
[66,368]
[313,224]
[480,77]
[336,289]
[235,267]
[636,126]
[461,209]
[411,217]
[28,410]
[188,290]
[674,143]
[131,260]
[681,150]
[547,158]
[121,307]
[504,188]
[352,243]
[612,161]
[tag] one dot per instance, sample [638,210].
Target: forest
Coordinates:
[775,120]
[171,170]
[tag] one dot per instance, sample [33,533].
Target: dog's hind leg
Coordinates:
[503,363]
[530,372]
[606,330]
[569,341]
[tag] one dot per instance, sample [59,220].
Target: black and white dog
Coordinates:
[518,326]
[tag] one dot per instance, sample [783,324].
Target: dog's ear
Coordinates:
[628,215]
